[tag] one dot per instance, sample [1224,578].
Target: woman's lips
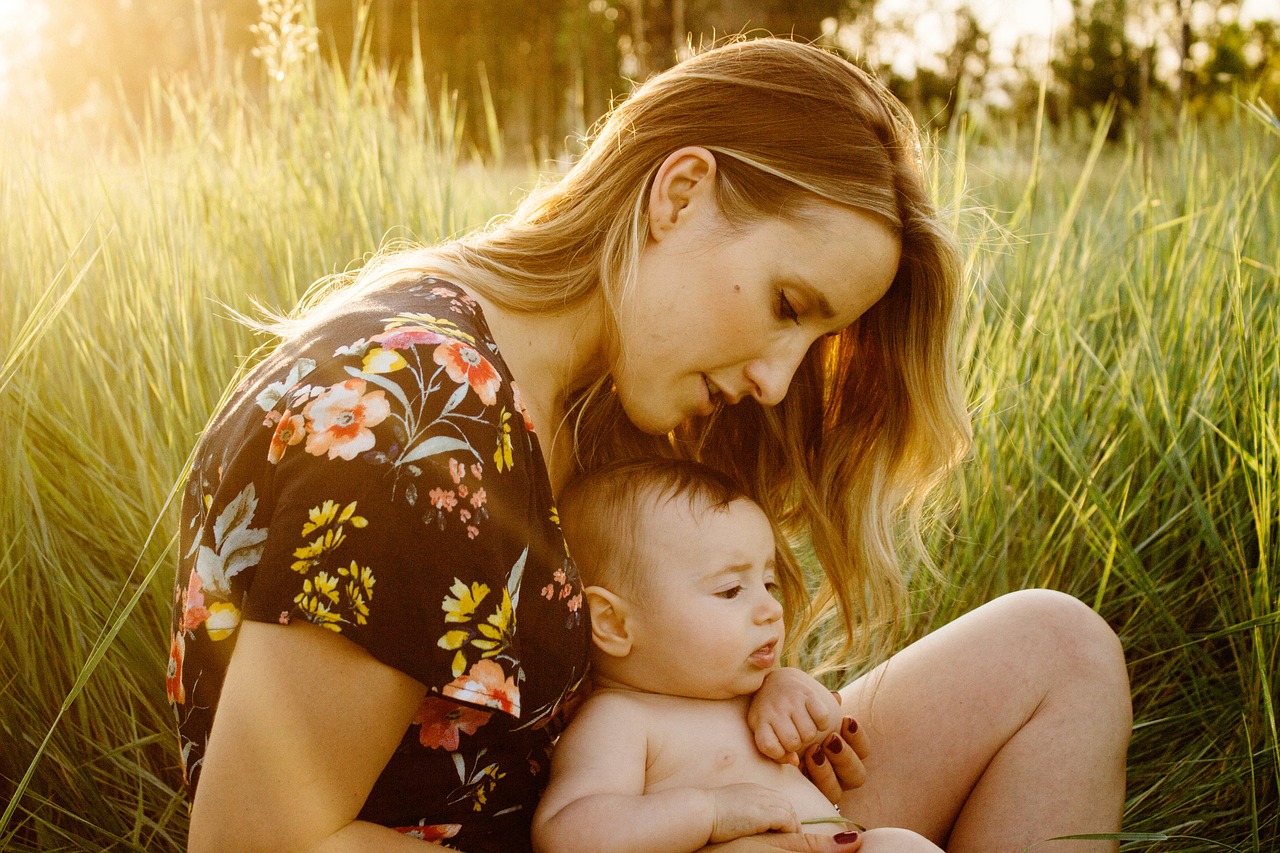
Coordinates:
[709,403]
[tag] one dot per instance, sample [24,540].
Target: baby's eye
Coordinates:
[732,592]
[774,589]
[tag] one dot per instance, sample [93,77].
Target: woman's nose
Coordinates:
[769,377]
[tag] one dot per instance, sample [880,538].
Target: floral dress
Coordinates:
[380,478]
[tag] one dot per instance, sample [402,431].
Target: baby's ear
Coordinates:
[608,622]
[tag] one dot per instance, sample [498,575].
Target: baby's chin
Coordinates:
[717,692]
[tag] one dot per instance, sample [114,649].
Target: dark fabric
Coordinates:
[380,478]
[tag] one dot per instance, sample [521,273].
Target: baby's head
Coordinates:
[679,567]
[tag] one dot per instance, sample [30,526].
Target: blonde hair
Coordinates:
[874,417]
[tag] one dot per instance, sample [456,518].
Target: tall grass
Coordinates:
[1121,349]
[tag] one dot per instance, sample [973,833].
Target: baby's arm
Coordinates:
[596,801]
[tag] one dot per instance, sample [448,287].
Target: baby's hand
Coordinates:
[790,712]
[749,809]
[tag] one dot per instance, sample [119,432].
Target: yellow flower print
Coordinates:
[490,637]
[379,360]
[555,519]
[461,608]
[223,620]
[309,555]
[495,629]
[332,600]
[502,457]
[316,600]
[486,782]
[454,641]
[325,514]
[358,590]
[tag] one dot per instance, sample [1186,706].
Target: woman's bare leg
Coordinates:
[1006,727]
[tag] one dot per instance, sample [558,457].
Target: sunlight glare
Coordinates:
[20,24]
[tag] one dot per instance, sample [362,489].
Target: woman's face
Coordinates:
[723,312]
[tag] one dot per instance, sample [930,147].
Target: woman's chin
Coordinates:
[653,422]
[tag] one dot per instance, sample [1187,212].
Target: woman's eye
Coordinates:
[729,593]
[786,310]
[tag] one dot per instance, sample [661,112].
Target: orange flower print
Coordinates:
[486,684]
[443,722]
[465,364]
[173,676]
[441,499]
[194,613]
[524,413]
[289,431]
[431,831]
[339,420]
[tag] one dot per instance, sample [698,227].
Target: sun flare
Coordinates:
[20,24]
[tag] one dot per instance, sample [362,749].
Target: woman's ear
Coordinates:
[684,185]
[608,622]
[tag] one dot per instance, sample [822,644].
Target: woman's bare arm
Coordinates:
[306,722]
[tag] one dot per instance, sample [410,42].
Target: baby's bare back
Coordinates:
[707,744]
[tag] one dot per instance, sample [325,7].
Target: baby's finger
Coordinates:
[849,770]
[787,733]
[768,743]
[824,714]
[855,736]
[804,730]
[822,774]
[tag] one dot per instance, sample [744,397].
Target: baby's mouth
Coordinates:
[765,656]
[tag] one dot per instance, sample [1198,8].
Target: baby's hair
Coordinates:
[600,512]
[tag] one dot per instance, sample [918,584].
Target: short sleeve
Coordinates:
[403,508]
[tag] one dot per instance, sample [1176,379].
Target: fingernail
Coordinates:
[845,837]
[851,725]
[818,757]
[834,744]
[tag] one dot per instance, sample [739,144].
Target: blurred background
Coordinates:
[548,68]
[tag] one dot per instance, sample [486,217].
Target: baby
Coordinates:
[679,568]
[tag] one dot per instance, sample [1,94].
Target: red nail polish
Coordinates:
[834,744]
[818,757]
[845,837]
[851,726]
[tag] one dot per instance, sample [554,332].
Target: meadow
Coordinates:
[1121,347]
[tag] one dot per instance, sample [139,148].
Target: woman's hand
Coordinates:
[790,713]
[835,765]
[845,842]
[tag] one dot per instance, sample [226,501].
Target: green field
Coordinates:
[1121,348]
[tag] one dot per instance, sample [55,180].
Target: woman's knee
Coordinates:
[1070,641]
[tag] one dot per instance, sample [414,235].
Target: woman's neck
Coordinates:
[550,355]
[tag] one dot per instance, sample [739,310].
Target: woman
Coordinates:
[744,268]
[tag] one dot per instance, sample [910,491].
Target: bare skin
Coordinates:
[289,783]
[1004,728]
